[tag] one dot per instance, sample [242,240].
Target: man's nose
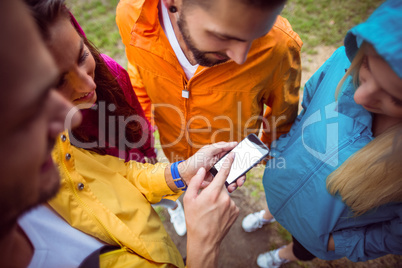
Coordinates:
[63,114]
[238,51]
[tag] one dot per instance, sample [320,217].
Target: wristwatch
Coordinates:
[178,181]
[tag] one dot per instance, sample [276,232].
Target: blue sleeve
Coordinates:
[309,90]
[370,242]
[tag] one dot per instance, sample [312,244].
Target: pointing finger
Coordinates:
[224,171]
[195,183]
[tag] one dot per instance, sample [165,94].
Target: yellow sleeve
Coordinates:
[150,180]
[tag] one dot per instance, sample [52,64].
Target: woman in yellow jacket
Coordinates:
[110,199]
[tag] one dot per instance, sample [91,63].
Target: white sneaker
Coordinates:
[177,219]
[255,221]
[271,259]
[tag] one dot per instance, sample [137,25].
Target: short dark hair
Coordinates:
[46,12]
[263,4]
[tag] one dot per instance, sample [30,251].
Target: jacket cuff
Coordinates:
[158,181]
[347,243]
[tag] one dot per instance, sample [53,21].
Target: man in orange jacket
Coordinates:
[211,70]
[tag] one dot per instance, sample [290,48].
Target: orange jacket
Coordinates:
[226,102]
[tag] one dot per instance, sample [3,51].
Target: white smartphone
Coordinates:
[248,153]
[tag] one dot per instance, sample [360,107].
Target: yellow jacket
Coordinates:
[111,200]
[226,102]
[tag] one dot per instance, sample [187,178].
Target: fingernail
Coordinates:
[204,184]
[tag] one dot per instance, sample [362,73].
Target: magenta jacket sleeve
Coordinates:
[124,81]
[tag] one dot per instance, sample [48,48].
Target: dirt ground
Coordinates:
[240,249]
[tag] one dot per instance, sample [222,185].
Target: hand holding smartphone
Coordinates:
[248,153]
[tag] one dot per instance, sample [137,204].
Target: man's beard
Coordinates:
[10,218]
[199,56]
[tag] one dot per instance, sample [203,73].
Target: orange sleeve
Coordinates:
[282,101]
[140,90]
[127,13]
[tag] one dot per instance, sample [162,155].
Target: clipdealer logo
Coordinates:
[323,118]
[115,123]
[231,127]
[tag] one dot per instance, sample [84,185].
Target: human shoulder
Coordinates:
[283,30]
[326,78]
[110,62]
[336,65]
[129,9]
[279,41]
[112,65]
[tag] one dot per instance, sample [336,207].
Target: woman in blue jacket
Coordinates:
[359,213]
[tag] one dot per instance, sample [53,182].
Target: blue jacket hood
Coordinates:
[383,30]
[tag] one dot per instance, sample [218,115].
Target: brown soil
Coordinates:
[311,63]
[240,249]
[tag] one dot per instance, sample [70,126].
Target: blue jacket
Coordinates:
[323,136]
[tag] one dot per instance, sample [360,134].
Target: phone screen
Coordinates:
[248,153]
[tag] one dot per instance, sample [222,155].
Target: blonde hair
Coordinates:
[372,176]
[353,70]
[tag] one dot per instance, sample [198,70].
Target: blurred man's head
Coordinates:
[32,115]
[218,30]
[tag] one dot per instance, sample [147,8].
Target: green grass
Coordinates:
[325,22]
[160,211]
[284,234]
[254,185]
[318,22]
[157,141]
[97,18]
